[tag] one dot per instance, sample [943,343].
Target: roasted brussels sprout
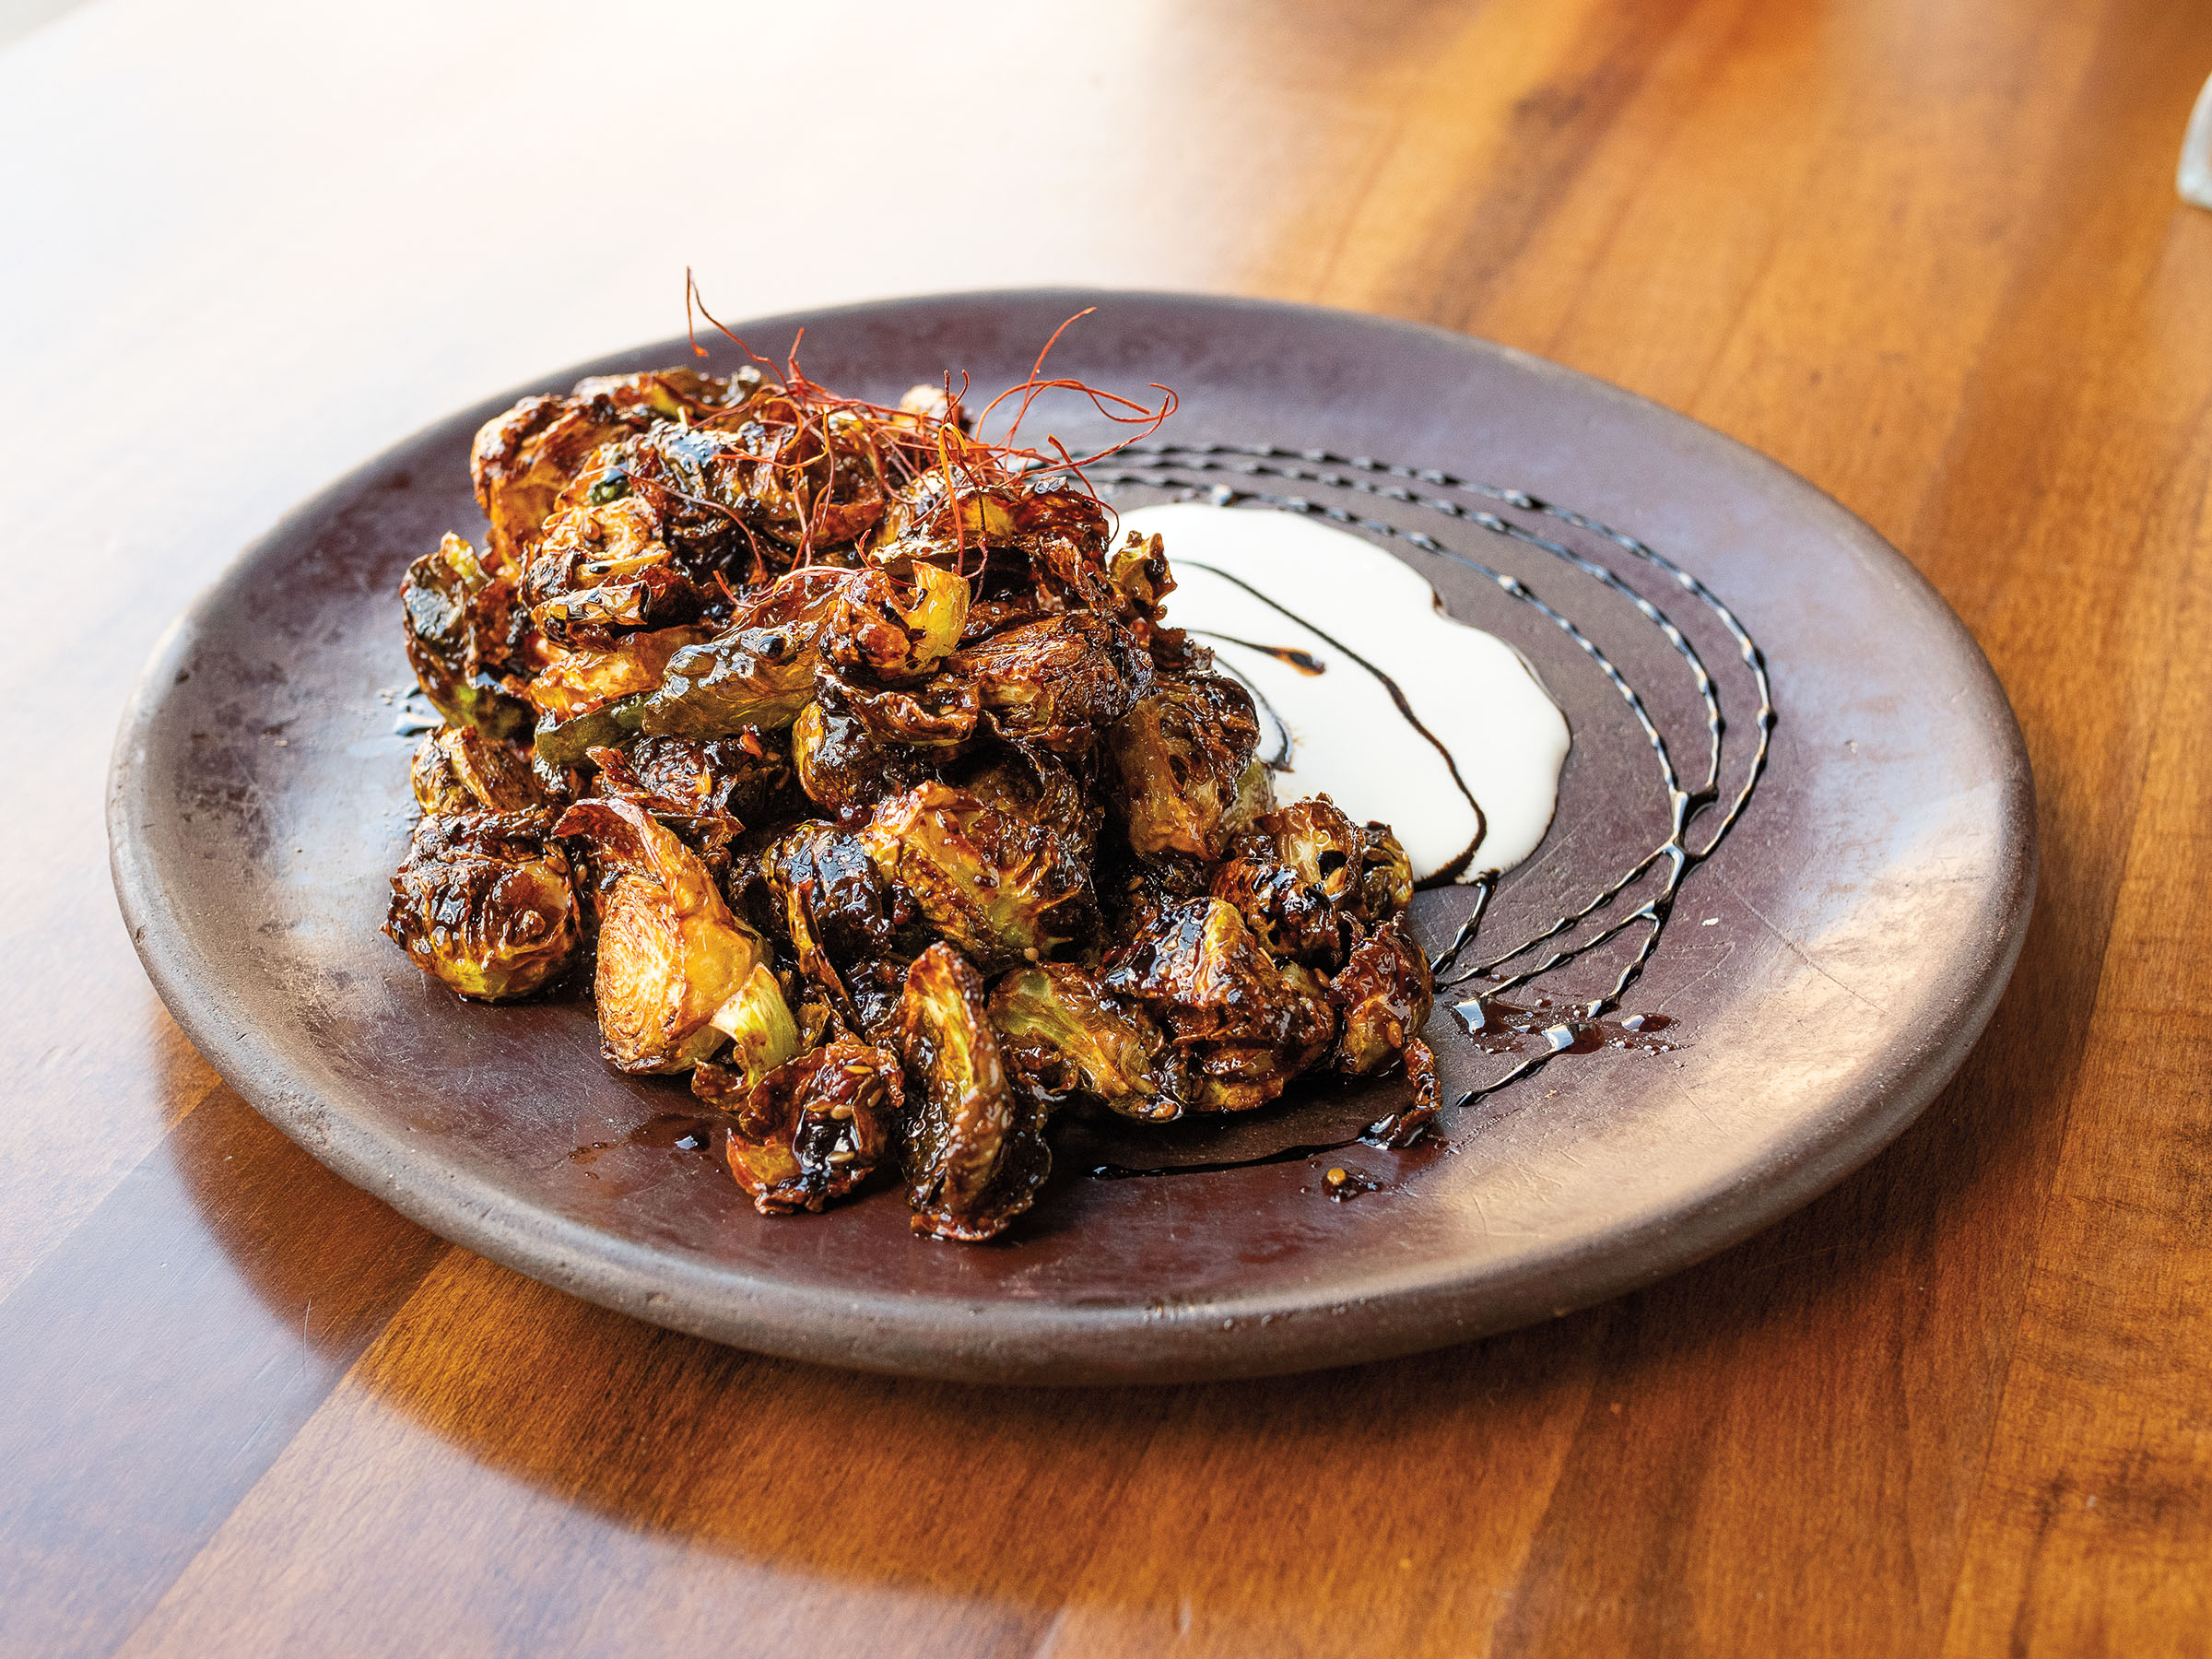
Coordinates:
[1040,789]
[950,508]
[691,777]
[812,1130]
[526,461]
[975,1152]
[484,902]
[678,973]
[1184,754]
[852,937]
[1061,528]
[1383,995]
[464,631]
[1056,682]
[457,768]
[1065,1034]
[670,394]
[596,699]
[1250,1023]
[602,571]
[759,672]
[1311,883]
[1138,573]
[840,766]
[1000,887]
[569,743]
[523,461]
[895,622]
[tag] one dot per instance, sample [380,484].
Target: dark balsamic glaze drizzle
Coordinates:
[1287,1155]
[1305,661]
[1450,872]
[1168,467]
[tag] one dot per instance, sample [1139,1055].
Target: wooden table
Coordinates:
[1929,256]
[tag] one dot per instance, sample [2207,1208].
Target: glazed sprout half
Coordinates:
[1001,887]
[812,1130]
[677,974]
[484,903]
[975,1151]
[464,633]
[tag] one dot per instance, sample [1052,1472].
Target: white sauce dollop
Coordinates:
[1346,736]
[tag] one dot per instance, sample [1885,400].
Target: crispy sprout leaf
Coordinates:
[1068,1036]
[895,622]
[1002,888]
[975,1152]
[812,1130]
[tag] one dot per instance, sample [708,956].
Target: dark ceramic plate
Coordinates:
[1825,970]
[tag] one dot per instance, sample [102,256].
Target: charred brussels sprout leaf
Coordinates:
[812,1130]
[841,920]
[1385,885]
[1055,683]
[1068,1036]
[1000,887]
[843,769]
[575,682]
[603,569]
[1183,753]
[460,770]
[759,672]
[523,459]
[566,743]
[1402,1128]
[676,972]
[1250,1023]
[937,715]
[1383,995]
[597,699]
[1311,883]
[895,623]
[462,628]
[1035,787]
[688,777]
[975,1152]
[1139,574]
[484,903]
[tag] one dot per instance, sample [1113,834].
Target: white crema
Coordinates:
[1312,590]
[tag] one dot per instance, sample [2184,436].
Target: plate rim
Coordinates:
[1024,1340]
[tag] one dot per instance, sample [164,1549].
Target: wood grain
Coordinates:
[1928,257]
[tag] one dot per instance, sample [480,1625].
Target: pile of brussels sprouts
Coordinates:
[849,769]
